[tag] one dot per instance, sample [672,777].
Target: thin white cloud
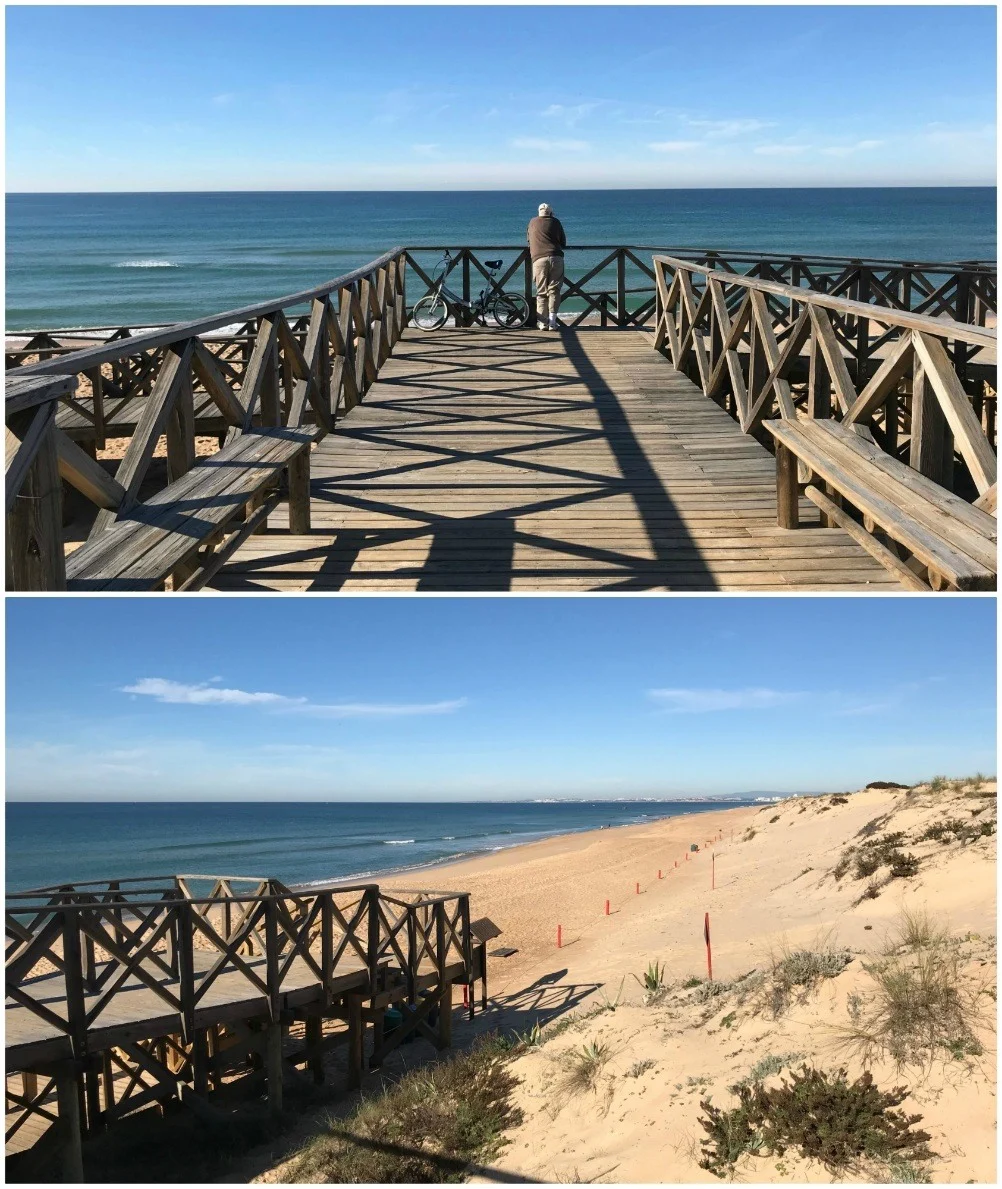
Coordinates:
[674,146]
[570,114]
[179,693]
[542,145]
[380,709]
[425,150]
[780,150]
[861,146]
[707,701]
[203,694]
[729,128]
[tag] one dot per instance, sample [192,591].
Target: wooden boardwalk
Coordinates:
[494,460]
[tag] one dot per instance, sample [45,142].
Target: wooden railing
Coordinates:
[614,286]
[921,386]
[425,929]
[97,941]
[297,360]
[91,939]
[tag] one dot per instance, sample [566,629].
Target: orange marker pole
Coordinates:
[660,876]
[709,953]
[607,908]
[559,936]
[638,888]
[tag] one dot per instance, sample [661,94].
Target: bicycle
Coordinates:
[508,310]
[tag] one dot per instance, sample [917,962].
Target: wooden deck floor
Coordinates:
[135,1011]
[525,461]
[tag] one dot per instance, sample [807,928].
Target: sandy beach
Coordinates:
[778,888]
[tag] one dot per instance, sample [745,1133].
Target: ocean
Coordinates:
[144,259]
[296,842]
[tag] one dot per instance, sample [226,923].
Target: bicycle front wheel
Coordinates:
[430,313]
[510,310]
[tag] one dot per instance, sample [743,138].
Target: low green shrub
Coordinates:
[824,1116]
[903,866]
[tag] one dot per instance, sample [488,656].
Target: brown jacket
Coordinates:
[546,237]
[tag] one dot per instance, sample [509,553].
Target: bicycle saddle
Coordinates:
[493,263]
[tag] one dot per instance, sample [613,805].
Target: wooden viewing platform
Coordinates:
[635,450]
[125,994]
[515,460]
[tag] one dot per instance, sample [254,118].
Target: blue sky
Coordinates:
[204,98]
[480,697]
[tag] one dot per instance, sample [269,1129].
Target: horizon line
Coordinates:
[993,185]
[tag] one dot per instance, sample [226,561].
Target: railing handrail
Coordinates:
[741,254]
[14,908]
[90,357]
[939,327]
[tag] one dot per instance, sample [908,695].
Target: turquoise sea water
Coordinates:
[141,259]
[293,841]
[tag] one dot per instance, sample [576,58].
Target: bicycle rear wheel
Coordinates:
[430,313]
[510,310]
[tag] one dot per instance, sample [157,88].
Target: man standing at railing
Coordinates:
[546,247]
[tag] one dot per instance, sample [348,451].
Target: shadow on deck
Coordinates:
[518,460]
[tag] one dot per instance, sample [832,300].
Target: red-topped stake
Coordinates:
[559,936]
[709,953]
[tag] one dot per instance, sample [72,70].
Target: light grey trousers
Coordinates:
[548,275]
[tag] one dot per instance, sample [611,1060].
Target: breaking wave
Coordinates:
[146,264]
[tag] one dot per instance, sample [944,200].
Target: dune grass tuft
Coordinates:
[583,1066]
[922,1005]
[424,1129]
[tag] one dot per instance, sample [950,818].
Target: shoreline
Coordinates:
[463,858]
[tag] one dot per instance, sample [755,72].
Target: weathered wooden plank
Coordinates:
[509,461]
[904,521]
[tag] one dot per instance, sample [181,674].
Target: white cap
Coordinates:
[545,208]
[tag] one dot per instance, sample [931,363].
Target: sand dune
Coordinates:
[774,890]
[779,887]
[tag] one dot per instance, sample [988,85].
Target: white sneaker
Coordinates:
[541,325]
[553,322]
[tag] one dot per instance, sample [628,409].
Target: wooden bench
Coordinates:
[955,541]
[162,536]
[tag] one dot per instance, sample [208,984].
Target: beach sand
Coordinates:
[775,891]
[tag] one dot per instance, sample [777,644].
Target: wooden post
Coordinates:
[200,1061]
[787,492]
[68,1105]
[186,966]
[314,1027]
[356,1038]
[270,405]
[180,431]
[273,1066]
[445,1015]
[35,559]
[621,288]
[299,492]
[930,450]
